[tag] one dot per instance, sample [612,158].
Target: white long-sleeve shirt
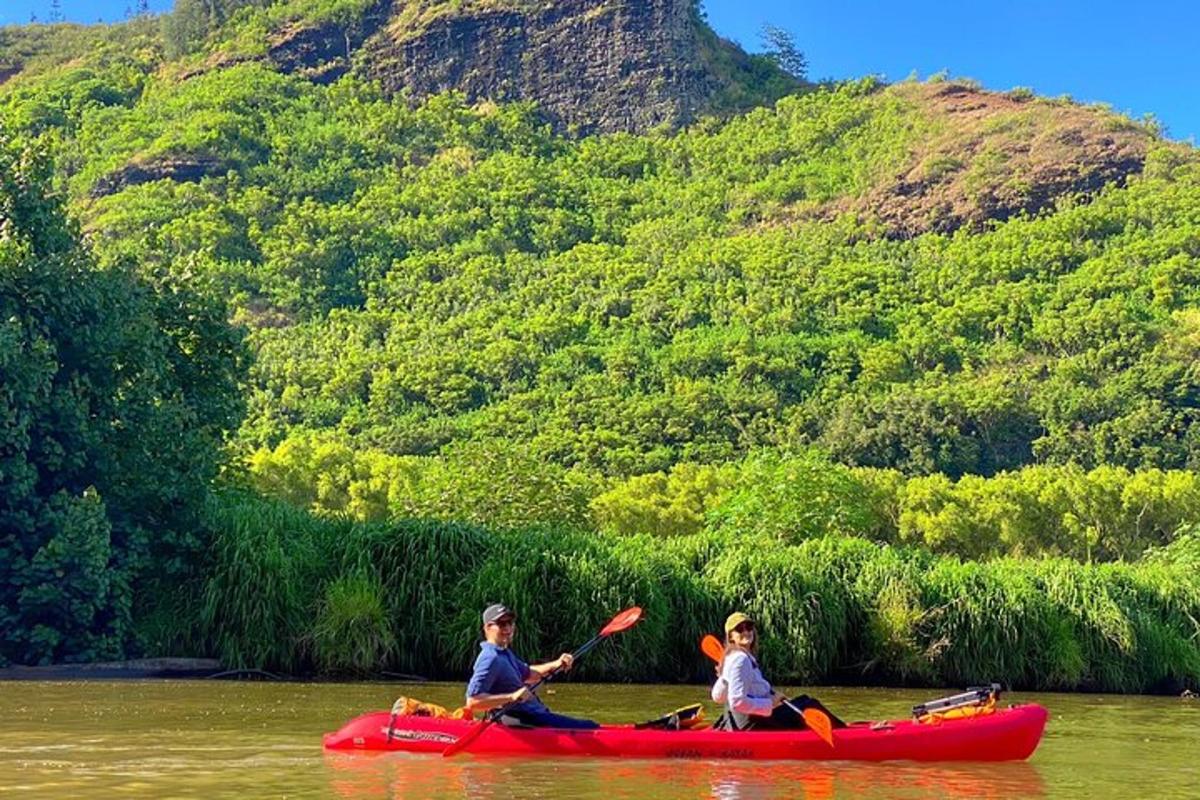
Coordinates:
[742,687]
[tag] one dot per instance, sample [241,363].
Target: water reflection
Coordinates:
[398,776]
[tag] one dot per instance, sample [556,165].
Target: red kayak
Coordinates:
[1010,734]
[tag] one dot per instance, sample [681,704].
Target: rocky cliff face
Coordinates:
[592,65]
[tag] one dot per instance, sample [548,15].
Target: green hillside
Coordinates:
[923,314]
[415,278]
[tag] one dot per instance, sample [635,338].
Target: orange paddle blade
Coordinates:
[623,621]
[711,646]
[818,722]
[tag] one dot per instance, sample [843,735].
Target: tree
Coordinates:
[781,49]
[186,26]
[118,391]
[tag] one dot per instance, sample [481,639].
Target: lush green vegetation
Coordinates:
[422,276]
[407,595]
[692,369]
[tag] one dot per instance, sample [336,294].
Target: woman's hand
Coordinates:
[777,699]
[520,695]
[564,662]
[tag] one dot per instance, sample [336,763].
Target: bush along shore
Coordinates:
[293,592]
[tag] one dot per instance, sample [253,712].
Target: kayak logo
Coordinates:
[421,736]
[731,752]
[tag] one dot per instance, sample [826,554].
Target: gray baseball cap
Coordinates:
[496,611]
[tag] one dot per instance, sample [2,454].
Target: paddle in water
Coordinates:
[621,622]
[816,720]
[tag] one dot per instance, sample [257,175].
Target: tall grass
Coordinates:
[352,632]
[291,591]
[269,563]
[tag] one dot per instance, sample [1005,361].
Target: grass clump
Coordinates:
[352,632]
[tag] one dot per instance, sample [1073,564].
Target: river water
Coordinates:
[168,739]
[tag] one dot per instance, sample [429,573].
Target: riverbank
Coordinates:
[168,669]
[136,669]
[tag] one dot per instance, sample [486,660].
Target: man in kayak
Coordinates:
[500,677]
[751,703]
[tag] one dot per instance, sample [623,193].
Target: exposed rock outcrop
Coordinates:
[191,168]
[324,53]
[592,65]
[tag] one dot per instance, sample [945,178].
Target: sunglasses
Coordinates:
[745,627]
[507,622]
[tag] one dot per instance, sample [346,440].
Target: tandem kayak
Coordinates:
[1010,734]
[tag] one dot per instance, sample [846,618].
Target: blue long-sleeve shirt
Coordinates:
[742,687]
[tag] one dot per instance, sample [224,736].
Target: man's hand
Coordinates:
[520,695]
[565,661]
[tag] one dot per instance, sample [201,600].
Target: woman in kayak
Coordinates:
[500,677]
[751,703]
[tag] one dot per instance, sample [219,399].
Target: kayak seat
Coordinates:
[680,719]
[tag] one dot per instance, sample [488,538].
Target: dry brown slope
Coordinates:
[990,156]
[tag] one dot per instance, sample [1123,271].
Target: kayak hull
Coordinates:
[1010,734]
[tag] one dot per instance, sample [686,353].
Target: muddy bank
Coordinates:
[108,670]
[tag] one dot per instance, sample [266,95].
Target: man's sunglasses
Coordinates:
[507,622]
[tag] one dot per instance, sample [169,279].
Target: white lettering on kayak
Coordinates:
[421,736]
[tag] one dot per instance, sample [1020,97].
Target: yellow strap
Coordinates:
[988,707]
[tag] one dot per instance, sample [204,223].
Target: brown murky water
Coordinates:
[168,739]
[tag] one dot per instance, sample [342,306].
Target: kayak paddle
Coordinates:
[623,621]
[816,720]
[711,646]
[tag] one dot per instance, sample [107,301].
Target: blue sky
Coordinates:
[1139,58]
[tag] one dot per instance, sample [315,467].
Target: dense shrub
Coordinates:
[462,317]
[1104,514]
